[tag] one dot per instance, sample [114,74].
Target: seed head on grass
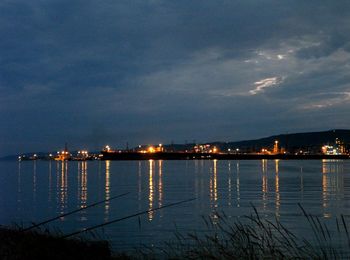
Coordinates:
[254,237]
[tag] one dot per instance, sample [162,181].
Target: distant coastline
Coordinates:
[309,145]
[120,156]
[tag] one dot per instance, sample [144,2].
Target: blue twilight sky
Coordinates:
[92,73]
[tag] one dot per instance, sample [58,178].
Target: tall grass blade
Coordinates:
[127,217]
[74,211]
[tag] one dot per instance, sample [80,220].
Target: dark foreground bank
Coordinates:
[250,237]
[18,244]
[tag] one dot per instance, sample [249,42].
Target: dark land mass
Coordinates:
[297,141]
[214,156]
[18,244]
[292,143]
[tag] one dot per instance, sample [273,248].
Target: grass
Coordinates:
[251,237]
[254,237]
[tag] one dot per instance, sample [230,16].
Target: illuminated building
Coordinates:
[63,155]
[340,146]
[330,150]
[265,151]
[82,155]
[205,148]
[155,149]
[276,149]
[107,148]
[337,149]
[150,148]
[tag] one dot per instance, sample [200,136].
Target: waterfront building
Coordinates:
[337,149]
[276,149]
[63,155]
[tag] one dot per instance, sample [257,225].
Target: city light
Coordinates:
[198,151]
[265,151]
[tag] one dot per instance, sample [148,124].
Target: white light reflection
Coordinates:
[332,184]
[160,184]
[151,190]
[229,183]
[62,182]
[238,186]
[264,182]
[214,192]
[107,190]
[277,188]
[83,187]
[79,184]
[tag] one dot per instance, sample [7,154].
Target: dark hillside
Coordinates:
[310,140]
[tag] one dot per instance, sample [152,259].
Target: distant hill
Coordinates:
[312,141]
[295,141]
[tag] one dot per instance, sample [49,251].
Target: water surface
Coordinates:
[33,191]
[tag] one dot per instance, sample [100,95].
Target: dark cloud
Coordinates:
[155,71]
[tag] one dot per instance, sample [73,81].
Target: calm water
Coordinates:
[36,190]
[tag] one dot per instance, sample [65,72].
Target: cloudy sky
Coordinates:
[92,73]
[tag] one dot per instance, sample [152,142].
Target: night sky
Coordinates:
[92,73]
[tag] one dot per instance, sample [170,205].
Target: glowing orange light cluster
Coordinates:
[265,151]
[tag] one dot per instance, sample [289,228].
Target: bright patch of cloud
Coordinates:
[329,100]
[265,83]
[272,55]
[280,56]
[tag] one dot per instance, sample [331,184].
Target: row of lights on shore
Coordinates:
[150,149]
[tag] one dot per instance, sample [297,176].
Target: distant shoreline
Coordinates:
[172,156]
[124,156]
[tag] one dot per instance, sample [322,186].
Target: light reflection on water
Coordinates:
[107,191]
[213,188]
[160,184]
[151,190]
[35,191]
[155,185]
[332,185]
[237,185]
[264,183]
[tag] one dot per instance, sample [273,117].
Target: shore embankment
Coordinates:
[18,244]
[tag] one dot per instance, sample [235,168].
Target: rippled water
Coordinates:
[33,191]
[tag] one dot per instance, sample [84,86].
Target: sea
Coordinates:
[146,203]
